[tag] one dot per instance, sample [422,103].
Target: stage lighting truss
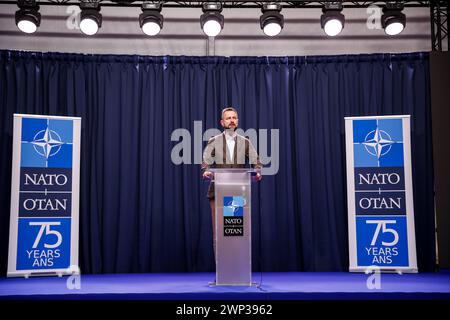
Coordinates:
[439,25]
[151,20]
[332,21]
[393,20]
[212,20]
[28,17]
[90,17]
[271,21]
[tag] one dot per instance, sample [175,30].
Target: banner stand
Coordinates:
[380,195]
[43,237]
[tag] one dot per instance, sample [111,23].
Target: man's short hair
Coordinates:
[228,109]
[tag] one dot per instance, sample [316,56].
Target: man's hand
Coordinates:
[207,175]
[258,177]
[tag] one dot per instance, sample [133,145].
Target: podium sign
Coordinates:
[379,191]
[233,226]
[43,236]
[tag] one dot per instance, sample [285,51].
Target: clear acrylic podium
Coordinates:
[233,226]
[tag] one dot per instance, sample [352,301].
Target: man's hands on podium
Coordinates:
[207,175]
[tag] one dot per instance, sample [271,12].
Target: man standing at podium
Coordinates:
[228,150]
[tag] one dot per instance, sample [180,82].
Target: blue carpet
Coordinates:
[194,286]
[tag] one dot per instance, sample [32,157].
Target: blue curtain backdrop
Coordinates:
[141,213]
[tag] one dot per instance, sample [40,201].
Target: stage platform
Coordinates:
[195,286]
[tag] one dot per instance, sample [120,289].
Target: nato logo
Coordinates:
[46,143]
[233,206]
[378,143]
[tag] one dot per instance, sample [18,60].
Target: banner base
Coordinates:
[29,274]
[373,269]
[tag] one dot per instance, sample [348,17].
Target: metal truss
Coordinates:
[439,24]
[228,4]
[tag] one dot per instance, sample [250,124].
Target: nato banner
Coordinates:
[379,191]
[43,237]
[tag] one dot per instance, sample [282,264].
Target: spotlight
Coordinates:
[150,20]
[393,20]
[211,20]
[90,17]
[271,21]
[332,20]
[28,18]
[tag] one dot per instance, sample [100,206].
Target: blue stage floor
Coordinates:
[194,286]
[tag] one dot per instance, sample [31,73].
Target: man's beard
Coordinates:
[230,130]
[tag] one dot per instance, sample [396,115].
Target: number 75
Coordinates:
[45,226]
[381,224]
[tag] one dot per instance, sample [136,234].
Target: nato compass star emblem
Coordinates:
[47,143]
[378,143]
[235,205]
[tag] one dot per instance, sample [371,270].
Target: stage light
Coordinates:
[28,18]
[271,21]
[90,17]
[150,20]
[332,20]
[393,20]
[211,20]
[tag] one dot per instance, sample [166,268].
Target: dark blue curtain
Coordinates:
[142,213]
